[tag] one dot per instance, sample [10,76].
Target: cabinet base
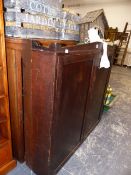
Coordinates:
[6,168]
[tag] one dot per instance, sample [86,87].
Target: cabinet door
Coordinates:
[95,99]
[73,79]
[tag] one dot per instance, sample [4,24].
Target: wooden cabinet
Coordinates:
[6,160]
[63,99]
[14,67]
[14,47]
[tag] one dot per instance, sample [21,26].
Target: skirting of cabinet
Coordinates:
[92,128]
[6,168]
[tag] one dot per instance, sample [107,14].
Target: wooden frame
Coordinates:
[6,159]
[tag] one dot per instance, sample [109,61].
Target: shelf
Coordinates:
[3,119]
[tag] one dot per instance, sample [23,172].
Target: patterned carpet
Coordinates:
[107,150]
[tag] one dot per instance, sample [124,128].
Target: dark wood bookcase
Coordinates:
[6,160]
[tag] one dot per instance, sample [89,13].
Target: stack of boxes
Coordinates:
[69,26]
[40,19]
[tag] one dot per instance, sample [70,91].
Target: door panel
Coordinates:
[95,100]
[73,84]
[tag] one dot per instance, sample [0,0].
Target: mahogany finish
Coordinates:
[14,64]
[63,101]
[6,160]
[14,47]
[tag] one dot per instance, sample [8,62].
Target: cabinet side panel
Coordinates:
[40,74]
[14,51]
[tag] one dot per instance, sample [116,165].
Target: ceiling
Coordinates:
[91,2]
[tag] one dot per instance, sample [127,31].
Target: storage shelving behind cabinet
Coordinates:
[6,160]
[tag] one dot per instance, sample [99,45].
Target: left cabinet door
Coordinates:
[6,160]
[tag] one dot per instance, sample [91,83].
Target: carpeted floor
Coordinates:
[107,150]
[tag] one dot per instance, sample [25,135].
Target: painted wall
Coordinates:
[117,13]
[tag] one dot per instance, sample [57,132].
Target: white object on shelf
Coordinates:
[94,37]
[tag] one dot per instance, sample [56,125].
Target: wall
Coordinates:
[117,13]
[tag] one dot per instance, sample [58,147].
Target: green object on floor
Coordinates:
[111,102]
